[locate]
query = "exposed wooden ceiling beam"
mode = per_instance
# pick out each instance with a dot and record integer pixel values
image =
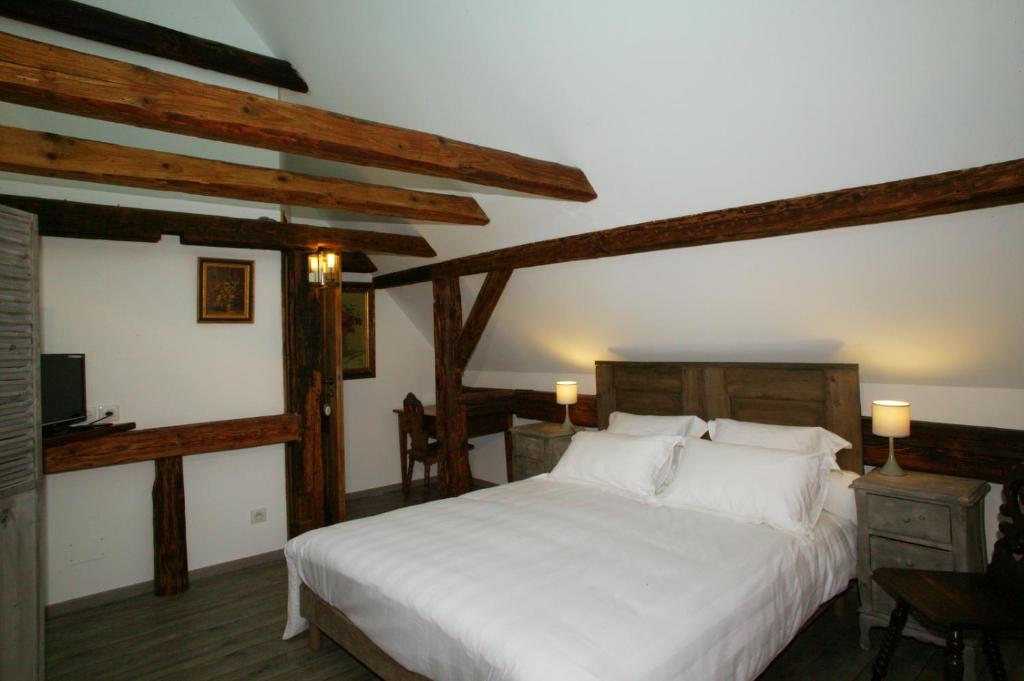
(50, 155)
(86, 21)
(50, 77)
(353, 261)
(94, 221)
(997, 184)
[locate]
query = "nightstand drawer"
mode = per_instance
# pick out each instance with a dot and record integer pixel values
(530, 447)
(909, 518)
(898, 554)
(527, 468)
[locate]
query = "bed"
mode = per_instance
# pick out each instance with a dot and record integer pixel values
(545, 579)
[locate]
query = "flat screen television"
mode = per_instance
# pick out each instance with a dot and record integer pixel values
(62, 389)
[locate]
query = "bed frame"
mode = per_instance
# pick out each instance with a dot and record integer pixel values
(826, 395)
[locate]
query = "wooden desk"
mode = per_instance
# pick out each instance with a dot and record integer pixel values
(484, 415)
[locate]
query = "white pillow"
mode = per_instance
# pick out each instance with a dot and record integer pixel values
(622, 423)
(806, 439)
(623, 462)
(841, 500)
(777, 487)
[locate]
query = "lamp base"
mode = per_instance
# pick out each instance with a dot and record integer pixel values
(891, 468)
(567, 424)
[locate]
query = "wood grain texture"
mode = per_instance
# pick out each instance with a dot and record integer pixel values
(480, 314)
(303, 347)
(942, 448)
(333, 406)
(949, 449)
(87, 21)
(50, 77)
(453, 474)
(94, 221)
(170, 552)
(157, 443)
(997, 184)
(50, 155)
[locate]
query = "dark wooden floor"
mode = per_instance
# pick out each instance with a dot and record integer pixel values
(229, 627)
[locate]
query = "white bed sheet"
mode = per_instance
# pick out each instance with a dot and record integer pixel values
(543, 579)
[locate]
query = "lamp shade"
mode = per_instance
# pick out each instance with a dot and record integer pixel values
(890, 418)
(565, 392)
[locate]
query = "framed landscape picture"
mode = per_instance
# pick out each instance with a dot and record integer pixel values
(358, 355)
(225, 290)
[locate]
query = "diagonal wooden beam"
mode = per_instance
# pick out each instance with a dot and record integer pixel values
(50, 77)
(50, 155)
(94, 221)
(998, 184)
(483, 307)
(90, 22)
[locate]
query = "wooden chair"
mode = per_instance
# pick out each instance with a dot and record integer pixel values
(990, 602)
(421, 448)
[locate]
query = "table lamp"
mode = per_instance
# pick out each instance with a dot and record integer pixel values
(890, 418)
(565, 393)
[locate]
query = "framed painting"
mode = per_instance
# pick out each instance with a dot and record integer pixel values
(358, 354)
(225, 290)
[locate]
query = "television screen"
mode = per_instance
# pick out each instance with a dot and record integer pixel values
(62, 388)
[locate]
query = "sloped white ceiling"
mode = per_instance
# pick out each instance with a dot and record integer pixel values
(675, 108)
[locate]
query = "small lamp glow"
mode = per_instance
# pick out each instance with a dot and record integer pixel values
(565, 393)
(323, 268)
(890, 418)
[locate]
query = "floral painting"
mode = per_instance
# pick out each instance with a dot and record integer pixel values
(225, 290)
(357, 337)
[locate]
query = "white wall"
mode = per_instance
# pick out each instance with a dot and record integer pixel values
(131, 309)
(405, 363)
(678, 108)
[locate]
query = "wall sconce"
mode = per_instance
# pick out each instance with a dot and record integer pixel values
(323, 268)
(890, 418)
(565, 393)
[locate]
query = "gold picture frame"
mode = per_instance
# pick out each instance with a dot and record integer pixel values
(226, 292)
(358, 338)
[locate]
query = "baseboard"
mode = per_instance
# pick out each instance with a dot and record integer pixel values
(416, 484)
(119, 594)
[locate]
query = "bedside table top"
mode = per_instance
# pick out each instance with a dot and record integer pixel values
(925, 486)
(544, 429)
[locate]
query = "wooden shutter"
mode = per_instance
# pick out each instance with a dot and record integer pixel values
(19, 359)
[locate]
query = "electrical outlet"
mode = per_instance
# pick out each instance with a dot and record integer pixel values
(115, 416)
(258, 515)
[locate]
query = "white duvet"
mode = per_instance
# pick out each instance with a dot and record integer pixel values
(556, 580)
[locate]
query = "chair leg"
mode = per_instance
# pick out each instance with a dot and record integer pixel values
(426, 480)
(891, 640)
(955, 654)
(407, 476)
(994, 656)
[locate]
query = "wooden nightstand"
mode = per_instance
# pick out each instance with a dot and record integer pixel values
(537, 447)
(920, 520)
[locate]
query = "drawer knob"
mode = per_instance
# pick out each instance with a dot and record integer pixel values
(906, 518)
(909, 563)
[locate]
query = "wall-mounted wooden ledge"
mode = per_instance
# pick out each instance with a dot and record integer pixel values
(944, 448)
(166, 447)
(157, 443)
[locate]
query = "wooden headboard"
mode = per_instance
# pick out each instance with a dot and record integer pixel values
(826, 395)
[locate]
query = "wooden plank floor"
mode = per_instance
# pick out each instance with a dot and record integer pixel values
(229, 627)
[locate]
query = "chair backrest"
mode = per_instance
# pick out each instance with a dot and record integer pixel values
(412, 413)
(1007, 566)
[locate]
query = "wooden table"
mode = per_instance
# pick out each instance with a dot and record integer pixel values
(485, 414)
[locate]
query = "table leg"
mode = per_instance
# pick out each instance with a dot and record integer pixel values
(403, 454)
(508, 450)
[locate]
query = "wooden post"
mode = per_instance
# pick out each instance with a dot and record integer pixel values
(303, 359)
(334, 401)
(170, 554)
(454, 473)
